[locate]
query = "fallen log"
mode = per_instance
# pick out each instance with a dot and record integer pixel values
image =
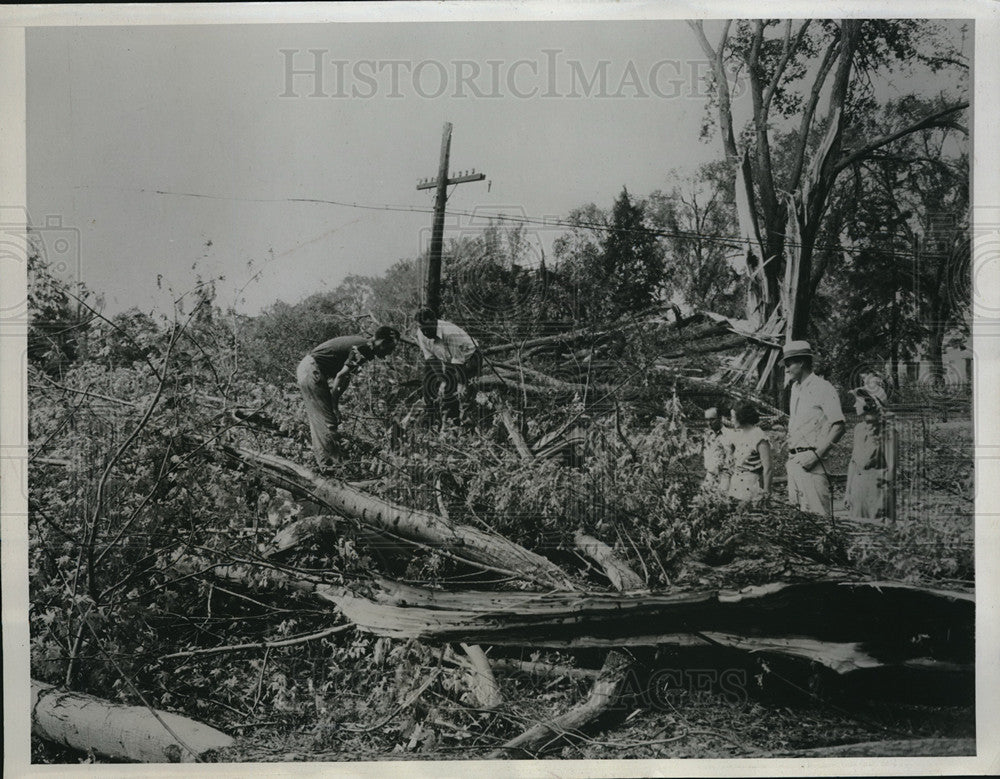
(507, 381)
(650, 316)
(472, 545)
(847, 627)
(482, 683)
(135, 733)
(890, 651)
(556, 340)
(515, 435)
(542, 385)
(710, 343)
(844, 626)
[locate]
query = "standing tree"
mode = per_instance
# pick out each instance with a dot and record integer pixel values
(904, 214)
(577, 253)
(781, 209)
(631, 259)
(693, 216)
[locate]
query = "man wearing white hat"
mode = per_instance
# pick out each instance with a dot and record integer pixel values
(815, 424)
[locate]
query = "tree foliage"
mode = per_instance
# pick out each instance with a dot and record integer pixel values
(901, 286)
(697, 219)
(58, 324)
(846, 60)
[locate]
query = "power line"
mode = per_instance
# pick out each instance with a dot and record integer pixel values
(733, 243)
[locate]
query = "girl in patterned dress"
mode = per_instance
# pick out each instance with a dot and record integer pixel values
(751, 456)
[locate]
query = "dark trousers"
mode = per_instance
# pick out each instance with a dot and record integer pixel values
(443, 382)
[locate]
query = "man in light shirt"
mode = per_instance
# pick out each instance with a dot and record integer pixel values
(815, 424)
(715, 453)
(451, 361)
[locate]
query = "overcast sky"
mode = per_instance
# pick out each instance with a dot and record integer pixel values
(116, 115)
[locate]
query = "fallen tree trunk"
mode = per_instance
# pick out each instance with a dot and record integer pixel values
(135, 733)
(506, 380)
(844, 626)
(469, 544)
(650, 316)
(543, 384)
(906, 633)
(707, 345)
(556, 340)
(515, 435)
(482, 683)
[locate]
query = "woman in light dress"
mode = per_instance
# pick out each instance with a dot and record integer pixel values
(872, 470)
(750, 456)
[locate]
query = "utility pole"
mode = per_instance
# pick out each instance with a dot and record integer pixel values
(437, 230)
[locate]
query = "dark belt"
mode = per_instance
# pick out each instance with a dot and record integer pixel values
(802, 449)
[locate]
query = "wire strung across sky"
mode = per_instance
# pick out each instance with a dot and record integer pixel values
(732, 243)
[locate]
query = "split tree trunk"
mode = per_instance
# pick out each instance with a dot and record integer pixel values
(135, 733)
(843, 626)
(622, 577)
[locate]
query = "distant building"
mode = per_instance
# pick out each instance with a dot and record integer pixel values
(957, 362)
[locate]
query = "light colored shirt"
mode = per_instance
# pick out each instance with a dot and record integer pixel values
(452, 345)
(814, 407)
(716, 452)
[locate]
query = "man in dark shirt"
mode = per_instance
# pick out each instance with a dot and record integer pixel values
(325, 373)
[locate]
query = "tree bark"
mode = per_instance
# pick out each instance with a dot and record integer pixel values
(843, 625)
(134, 733)
(472, 545)
(622, 577)
(483, 685)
